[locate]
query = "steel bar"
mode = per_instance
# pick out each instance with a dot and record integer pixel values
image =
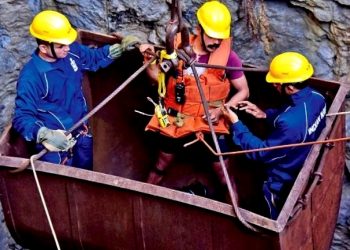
(205, 65)
(232, 193)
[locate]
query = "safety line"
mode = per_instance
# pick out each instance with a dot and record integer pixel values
(32, 158)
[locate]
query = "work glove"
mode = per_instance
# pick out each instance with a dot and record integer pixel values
(129, 42)
(55, 140)
(117, 49)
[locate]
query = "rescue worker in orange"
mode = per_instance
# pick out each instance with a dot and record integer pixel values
(211, 44)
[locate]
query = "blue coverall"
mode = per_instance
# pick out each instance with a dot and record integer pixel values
(301, 119)
(50, 94)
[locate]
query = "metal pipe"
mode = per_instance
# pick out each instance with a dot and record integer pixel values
(228, 181)
(205, 65)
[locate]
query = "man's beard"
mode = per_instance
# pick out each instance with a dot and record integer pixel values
(213, 46)
(283, 91)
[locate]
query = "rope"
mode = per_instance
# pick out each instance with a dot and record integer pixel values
(142, 113)
(32, 158)
(339, 113)
(201, 138)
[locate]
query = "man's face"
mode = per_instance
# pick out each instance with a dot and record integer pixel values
(61, 50)
(210, 43)
(280, 88)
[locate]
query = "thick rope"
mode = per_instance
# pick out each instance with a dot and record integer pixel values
(32, 159)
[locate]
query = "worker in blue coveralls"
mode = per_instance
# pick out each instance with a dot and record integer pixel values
(49, 90)
(300, 119)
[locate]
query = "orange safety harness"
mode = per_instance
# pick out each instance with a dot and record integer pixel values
(186, 116)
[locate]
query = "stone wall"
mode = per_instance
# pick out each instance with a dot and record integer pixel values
(320, 29)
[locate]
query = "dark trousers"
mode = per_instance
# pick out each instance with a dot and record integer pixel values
(80, 156)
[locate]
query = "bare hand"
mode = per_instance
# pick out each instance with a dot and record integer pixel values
(214, 115)
(144, 48)
(251, 108)
(229, 114)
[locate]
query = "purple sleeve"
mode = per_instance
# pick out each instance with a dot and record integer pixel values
(234, 61)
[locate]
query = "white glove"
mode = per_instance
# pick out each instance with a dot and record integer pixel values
(55, 140)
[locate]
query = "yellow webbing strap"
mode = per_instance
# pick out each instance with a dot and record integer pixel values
(164, 55)
(161, 75)
(161, 84)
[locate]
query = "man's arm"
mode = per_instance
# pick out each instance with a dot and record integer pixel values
(241, 86)
(24, 120)
(153, 69)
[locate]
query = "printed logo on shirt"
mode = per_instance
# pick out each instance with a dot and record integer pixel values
(73, 64)
(314, 126)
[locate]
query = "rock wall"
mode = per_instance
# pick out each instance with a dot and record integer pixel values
(320, 29)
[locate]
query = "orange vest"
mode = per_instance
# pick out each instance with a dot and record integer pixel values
(216, 89)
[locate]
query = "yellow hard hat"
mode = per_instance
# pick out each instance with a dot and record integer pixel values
(289, 67)
(215, 18)
(52, 26)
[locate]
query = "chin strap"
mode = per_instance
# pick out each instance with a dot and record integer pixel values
(53, 50)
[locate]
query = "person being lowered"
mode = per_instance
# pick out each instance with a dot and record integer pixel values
(211, 44)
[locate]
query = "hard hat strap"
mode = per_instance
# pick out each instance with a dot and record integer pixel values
(53, 50)
(202, 39)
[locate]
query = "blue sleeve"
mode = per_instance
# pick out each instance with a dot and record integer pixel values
(246, 140)
(92, 59)
(24, 120)
(271, 115)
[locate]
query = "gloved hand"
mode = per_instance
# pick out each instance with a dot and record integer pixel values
(115, 51)
(55, 140)
(129, 42)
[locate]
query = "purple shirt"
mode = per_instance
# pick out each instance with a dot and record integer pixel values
(233, 61)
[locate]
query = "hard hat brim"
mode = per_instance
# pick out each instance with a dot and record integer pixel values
(70, 38)
(217, 35)
(271, 79)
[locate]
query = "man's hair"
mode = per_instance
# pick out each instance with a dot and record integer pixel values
(298, 85)
(39, 42)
